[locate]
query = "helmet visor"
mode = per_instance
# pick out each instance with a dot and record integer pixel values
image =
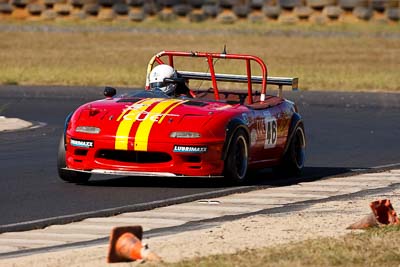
(157, 85)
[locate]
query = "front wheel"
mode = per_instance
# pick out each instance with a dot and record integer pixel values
(236, 161)
(66, 175)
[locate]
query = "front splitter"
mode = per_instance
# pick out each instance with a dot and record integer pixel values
(136, 173)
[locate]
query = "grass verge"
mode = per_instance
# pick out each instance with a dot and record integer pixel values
(335, 57)
(375, 247)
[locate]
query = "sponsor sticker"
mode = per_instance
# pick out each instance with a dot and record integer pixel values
(190, 149)
(82, 143)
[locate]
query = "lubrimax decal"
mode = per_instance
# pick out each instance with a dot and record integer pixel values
(190, 149)
(82, 143)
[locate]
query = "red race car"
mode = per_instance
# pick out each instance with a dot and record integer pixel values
(171, 130)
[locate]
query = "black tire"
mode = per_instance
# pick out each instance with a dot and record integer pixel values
(211, 10)
(303, 12)
(35, 9)
(196, 3)
(182, 9)
(168, 3)
(91, 9)
(135, 3)
(109, 3)
(332, 12)
(242, 11)
(319, 4)
(379, 5)
(50, 3)
(363, 13)
(257, 4)
(65, 175)
(293, 161)
(227, 3)
(349, 5)
(121, 9)
(6, 8)
(393, 14)
(289, 4)
(150, 8)
(236, 162)
(20, 3)
(272, 12)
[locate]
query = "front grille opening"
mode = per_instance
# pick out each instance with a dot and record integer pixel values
(134, 156)
(192, 159)
(195, 167)
(81, 152)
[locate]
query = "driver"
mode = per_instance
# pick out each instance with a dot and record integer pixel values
(175, 87)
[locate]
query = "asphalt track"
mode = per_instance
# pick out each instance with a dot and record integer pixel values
(345, 132)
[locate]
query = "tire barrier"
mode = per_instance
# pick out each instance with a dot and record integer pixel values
(272, 12)
(35, 9)
(91, 9)
(195, 11)
(332, 12)
(303, 12)
(363, 13)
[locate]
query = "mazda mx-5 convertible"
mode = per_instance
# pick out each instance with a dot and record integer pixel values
(174, 128)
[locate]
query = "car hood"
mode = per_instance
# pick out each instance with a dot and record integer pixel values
(144, 116)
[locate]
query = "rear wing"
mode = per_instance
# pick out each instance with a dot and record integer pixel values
(214, 77)
(280, 81)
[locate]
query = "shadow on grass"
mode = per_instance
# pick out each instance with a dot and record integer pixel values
(263, 178)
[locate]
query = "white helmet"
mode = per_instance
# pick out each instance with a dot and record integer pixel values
(157, 76)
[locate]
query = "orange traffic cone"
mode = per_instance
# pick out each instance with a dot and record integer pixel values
(382, 214)
(125, 245)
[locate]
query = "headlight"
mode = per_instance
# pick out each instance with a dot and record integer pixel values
(184, 135)
(87, 129)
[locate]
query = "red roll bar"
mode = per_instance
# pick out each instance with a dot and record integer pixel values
(210, 59)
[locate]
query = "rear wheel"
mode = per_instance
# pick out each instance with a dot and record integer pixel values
(66, 175)
(237, 158)
(293, 161)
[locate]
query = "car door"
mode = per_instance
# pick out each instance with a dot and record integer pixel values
(267, 132)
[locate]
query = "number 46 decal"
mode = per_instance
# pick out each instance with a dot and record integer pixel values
(270, 132)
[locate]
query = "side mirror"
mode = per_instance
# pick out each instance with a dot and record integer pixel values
(109, 91)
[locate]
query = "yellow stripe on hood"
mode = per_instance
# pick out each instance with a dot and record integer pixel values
(128, 119)
(143, 131)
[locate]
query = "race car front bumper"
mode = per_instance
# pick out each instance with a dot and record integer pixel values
(177, 158)
(136, 173)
